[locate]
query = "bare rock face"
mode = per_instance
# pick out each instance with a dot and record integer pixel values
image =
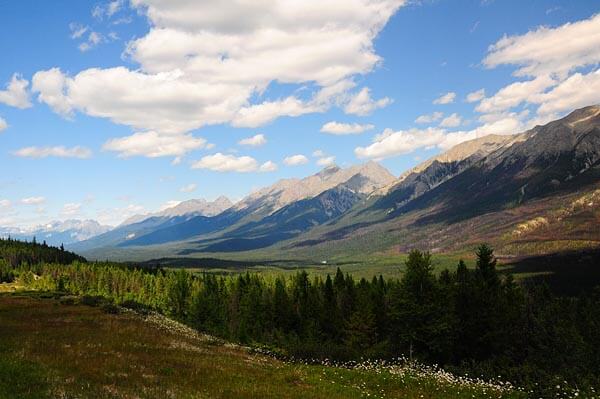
(362, 179)
(193, 207)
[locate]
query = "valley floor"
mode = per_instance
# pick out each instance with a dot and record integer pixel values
(51, 346)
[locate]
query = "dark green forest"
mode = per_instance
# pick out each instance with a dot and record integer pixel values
(473, 321)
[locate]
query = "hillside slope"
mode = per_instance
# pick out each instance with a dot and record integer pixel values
(127, 355)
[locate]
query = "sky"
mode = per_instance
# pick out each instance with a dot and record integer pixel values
(121, 107)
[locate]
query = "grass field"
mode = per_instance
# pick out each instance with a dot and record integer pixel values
(52, 347)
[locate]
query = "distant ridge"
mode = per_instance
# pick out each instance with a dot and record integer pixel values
(494, 188)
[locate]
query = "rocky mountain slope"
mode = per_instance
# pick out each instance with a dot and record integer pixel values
(489, 189)
(487, 195)
(356, 181)
(197, 207)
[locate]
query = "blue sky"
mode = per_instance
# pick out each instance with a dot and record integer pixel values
(120, 107)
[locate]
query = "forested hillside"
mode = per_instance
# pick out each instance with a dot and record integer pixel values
(470, 321)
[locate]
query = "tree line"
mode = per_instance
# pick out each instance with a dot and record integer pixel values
(14, 253)
(468, 320)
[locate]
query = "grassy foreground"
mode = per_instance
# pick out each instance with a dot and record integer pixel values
(54, 347)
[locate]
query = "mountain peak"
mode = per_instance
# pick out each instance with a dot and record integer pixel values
(373, 176)
(196, 206)
(583, 116)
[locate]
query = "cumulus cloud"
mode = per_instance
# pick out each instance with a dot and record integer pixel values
(391, 142)
(152, 145)
(453, 120)
(514, 94)
(556, 86)
(5, 204)
(57, 151)
(476, 96)
(338, 128)
(265, 112)
(33, 200)
(326, 161)
(3, 124)
(543, 51)
(362, 104)
(268, 166)
(16, 94)
(188, 188)
(254, 141)
(433, 117)
(447, 98)
(230, 163)
(294, 160)
(577, 91)
(204, 63)
(51, 86)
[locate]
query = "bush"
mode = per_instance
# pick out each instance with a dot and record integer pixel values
(136, 307)
(110, 308)
(91, 300)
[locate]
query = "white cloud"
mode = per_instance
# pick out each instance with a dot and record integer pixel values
(204, 63)
(453, 120)
(391, 143)
(505, 123)
(326, 161)
(544, 51)
(265, 112)
(153, 145)
(33, 200)
(16, 94)
(51, 86)
(77, 30)
(577, 91)
(230, 163)
(318, 153)
(57, 151)
(362, 104)
(113, 7)
(476, 96)
(71, 209)
(189, 188)
(514, 94)
(3, 124)
(254, 141)
(93, 39)
(268, 166)
(338, 128)
(433, 117)
(107, 10)
(176, 161)
(294, 160)
(447, 98)
(557, 87)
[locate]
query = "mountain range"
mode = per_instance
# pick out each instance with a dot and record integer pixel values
(533, 191)
(58, 232)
